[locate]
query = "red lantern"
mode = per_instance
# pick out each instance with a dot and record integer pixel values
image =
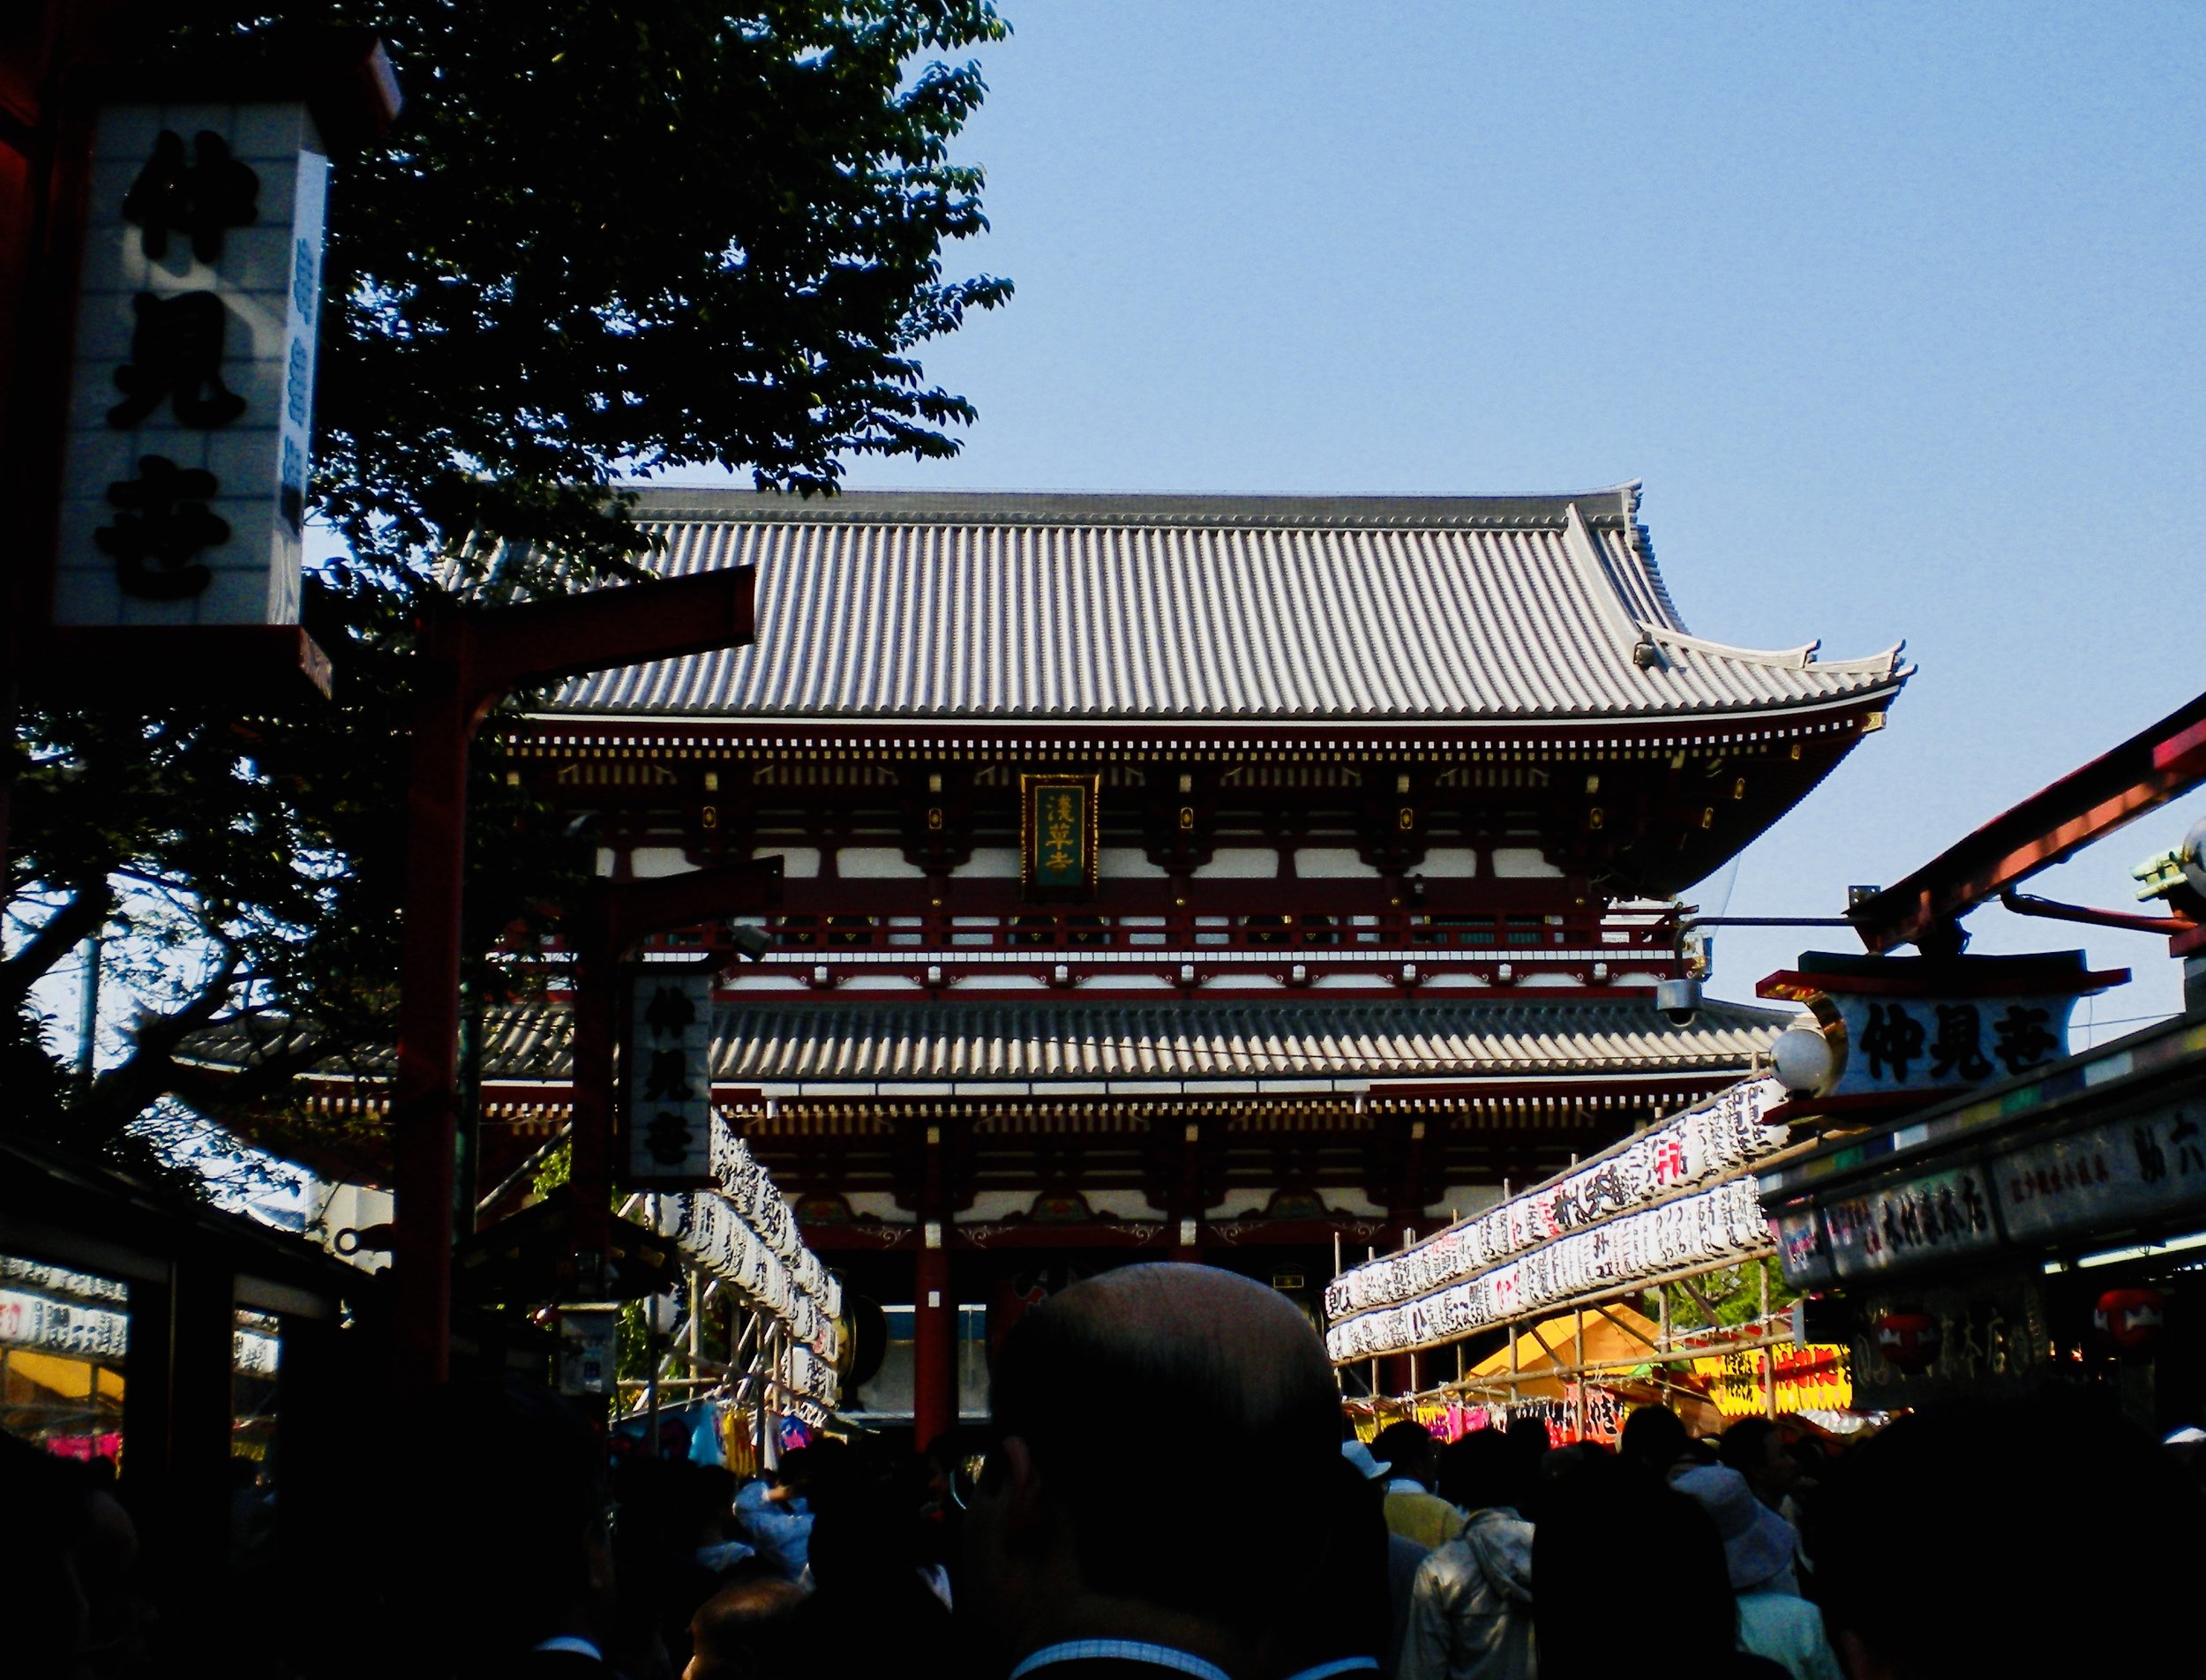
(1907, 1341)
(2130, 1318)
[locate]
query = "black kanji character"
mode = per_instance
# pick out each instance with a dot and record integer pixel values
(667, 1138)
(670, 1011)
(2184, 1135)
(2153, 1160)
(1949, 1220)
(1893, 1037)
(1912, 1221)
(201, 198)
(669, 1078)
(1954, 1049)
(177, 355)
(1972, 1199)
(2021, 1038)
(163, 522)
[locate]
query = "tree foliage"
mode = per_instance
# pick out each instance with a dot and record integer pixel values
(603, 242)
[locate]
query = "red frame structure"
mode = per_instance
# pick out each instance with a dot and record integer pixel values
(2152, 767)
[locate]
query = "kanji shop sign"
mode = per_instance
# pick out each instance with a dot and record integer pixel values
(1057, 835)
(2105, 1177)
(667, 1070)
(1815, 1377)
(2031, 1194)
(192, 398)
(1908, 1026)
(1940, 1216)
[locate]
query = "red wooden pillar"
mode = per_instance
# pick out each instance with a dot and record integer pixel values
(933, 1305)
(935, 1336)
(1186, 1200)
(424, 1107)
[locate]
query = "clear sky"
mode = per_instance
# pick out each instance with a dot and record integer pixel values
(1893, 309)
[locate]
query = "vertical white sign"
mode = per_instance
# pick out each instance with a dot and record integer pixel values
(192, 397)
(668, 1073)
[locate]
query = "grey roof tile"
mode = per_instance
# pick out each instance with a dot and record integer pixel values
(1205, 1039)
(976, 606)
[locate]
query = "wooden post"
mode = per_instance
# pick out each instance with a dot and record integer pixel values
(1769, 1354)
(696, 1319)
(1578, 1355)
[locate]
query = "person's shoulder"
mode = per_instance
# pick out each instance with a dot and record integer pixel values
(1779, 1625)
(1780, 1610)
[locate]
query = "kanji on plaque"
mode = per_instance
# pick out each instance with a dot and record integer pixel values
(667, 1069)
(191, 413)
(1057, 831)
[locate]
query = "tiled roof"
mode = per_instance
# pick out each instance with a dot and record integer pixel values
(890, 604)
(772, 1042)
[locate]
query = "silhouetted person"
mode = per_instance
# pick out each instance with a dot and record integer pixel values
(1403, 1556)
(504, 1522)
(2039, 1538)
(1470, 1613)
(1528, 1439)
(871, 1612)
(1753, 1447)
(747, 1631)
(1166, 1437)
(1606, 1524)
(69, 1600)
(1655, 1443)
(1759, 1548)
(1348, 1621)
(1413, 1509)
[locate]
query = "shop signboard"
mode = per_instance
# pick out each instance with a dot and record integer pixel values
(590, 1347)
(1943, 1215)
(1817, 1377)
(2106, 1177)
(184, 479)
(1903, 1028)
(668, 1075)
(2036, 1193)
(1931, 1044)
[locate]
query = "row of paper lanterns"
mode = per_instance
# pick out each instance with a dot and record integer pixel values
(1704, 1142)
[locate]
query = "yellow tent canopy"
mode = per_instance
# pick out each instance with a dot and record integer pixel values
(70, 1379)
(1615, 1336)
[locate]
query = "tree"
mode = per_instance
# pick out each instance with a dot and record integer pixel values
(603, 242)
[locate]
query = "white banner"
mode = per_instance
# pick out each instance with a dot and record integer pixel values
(1718, 1136)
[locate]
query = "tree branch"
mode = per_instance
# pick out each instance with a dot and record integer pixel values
(74, 922)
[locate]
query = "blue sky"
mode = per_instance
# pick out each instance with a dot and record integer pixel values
(1893, 308)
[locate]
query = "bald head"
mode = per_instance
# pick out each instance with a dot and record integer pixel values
(741, 1632)
(1175, 1414)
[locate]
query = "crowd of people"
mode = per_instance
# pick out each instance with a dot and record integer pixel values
(1164, 1489)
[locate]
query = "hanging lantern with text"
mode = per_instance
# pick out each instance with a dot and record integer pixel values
(1908, 1341)
(2131, 1319)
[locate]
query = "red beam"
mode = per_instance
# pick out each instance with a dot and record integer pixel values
(2149, 769)
(470, 657)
